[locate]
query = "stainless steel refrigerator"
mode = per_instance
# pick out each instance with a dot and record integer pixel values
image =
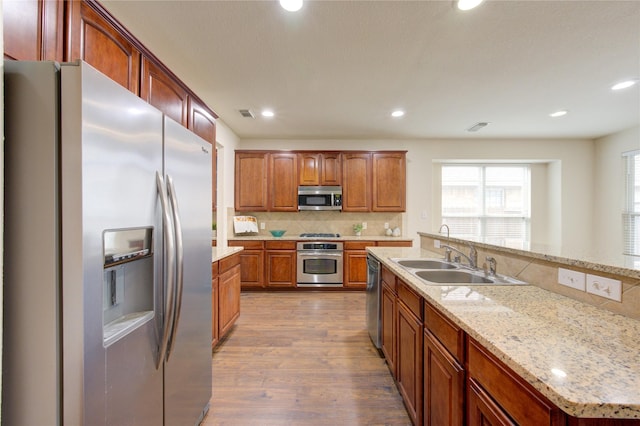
(107, 312)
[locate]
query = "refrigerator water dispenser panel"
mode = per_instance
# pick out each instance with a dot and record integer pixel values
(127, 294)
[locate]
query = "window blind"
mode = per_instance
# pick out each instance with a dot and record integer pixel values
(631, 213)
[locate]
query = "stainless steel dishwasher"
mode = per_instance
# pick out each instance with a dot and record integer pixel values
(374, 301)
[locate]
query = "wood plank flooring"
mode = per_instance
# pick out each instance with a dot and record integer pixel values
(302, 358)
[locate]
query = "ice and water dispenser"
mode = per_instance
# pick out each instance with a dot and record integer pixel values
(128, 290)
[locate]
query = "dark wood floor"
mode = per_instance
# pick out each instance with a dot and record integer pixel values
(302, 358)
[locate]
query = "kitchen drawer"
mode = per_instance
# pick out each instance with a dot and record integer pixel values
(256, 245)
(410, 299)
(358, 245)
(518, 398)
(229, 262)
(280, 245)
(450, 335)
(389, 278)
(394, 243)
(214, 269)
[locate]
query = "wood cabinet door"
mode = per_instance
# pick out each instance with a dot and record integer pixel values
(409, 361)
(389, 182)
(281, 268)
(252, 268)
(162, 90)
(309, 168)
(215, 334)
(98, 40)
(331, 169)
(356, 179)
(443, 385)
(355, 269)
(251, 181)
(481, 409)
(228, 299)
(33, 30)
(388, 308)
(283, 182)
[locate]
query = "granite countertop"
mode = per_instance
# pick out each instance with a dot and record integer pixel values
(218, 253)
(298, 238)
(586, 360)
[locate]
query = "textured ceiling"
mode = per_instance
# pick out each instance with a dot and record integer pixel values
(336, 69)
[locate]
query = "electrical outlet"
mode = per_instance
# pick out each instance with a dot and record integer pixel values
(571, 278)
(386, 225)
(604, 287)
(262, 225)
(436, 243)
(364, 225)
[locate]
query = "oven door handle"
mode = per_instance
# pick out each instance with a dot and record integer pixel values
(319, 254)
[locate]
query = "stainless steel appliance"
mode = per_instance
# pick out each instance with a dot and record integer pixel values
(319, 264)
(107, 255)
(374, 301)
(319, 198)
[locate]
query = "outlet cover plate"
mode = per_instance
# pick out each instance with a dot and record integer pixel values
(571, 278)
(604, 287)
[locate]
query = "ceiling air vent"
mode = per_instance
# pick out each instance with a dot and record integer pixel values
(246, 113)
(477, 126)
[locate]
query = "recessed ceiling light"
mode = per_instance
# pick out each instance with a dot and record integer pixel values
(624, 84)
(397, 113)
(558, 113)
(468, 4)
(291, 5)
(267, 113)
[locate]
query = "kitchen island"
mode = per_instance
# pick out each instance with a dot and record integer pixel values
(584, 360)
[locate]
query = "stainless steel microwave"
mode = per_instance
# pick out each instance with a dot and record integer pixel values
(319, 198)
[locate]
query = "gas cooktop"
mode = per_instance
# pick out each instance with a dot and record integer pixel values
(319, 235)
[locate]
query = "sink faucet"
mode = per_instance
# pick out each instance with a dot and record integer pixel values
(447, 250)
(472, 258)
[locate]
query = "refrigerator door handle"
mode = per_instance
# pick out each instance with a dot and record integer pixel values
(169, 279)
(179, 262)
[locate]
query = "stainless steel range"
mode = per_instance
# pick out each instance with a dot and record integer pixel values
(320, 263)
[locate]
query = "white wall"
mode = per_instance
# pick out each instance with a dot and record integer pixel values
(227, 143)
(570, 162)
(609, 190)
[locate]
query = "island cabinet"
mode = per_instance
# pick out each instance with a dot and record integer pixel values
(319, 168)
(33, 30)
(251, 263)
(409, 349)
(388, 309)
(98, 39)
(280, 268)
(225, 296)
(444, 385)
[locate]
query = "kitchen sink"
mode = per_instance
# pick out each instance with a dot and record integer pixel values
(440, 272)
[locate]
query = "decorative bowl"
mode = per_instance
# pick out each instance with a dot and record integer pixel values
(277, 232)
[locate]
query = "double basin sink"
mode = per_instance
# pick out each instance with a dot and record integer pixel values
(441, 272)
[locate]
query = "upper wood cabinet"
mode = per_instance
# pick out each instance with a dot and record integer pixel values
(251, 181)
(162, 90)
(33, 30)
(97, 39)
(388, 186)
(283, 182)
(319, 168)
(356, 178)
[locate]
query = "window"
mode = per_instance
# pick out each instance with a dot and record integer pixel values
(631, 213)
(487, 200)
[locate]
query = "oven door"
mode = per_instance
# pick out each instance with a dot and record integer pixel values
(319, 268)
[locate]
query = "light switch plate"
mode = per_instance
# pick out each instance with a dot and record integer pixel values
(604, 287)
(571, 278)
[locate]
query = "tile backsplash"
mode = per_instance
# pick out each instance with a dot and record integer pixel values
(296, 223)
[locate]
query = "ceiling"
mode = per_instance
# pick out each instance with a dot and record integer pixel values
(336, 69)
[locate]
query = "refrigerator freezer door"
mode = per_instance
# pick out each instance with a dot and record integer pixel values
(187, 370)
(111, 148)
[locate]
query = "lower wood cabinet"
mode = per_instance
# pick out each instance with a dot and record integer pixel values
(355, 264)
(389, 308)
(251, 263)
(225, 296)
(280, 268)
(482, 410)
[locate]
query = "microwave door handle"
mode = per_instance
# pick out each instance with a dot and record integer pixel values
(168, 281)
(173, 203)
